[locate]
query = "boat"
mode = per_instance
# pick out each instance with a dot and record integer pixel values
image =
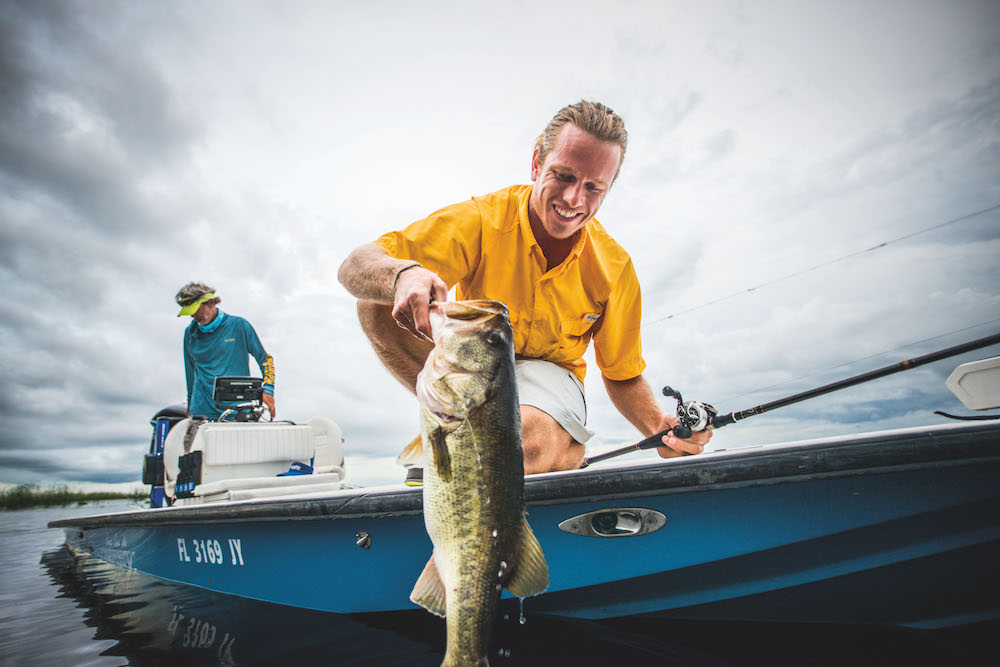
(898, 527)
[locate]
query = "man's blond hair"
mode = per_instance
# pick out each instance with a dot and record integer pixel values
(594, 118)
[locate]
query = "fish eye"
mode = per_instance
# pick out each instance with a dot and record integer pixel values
(494, 338)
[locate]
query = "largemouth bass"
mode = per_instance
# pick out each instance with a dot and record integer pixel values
(473, 477)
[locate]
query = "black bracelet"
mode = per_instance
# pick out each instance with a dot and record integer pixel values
(405, 268)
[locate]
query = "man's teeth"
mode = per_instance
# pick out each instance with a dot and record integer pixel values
(564, 213)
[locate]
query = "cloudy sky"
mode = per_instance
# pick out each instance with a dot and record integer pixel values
(775, 147)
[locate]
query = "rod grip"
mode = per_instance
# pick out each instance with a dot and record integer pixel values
(653, 441)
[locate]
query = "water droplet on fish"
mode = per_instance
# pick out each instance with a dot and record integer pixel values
(504, 653)
(494, 532)
(522, 620)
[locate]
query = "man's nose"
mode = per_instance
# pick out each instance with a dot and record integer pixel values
(573, 194)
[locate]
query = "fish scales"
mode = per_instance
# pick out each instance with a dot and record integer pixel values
(473, 478)
(461, 519)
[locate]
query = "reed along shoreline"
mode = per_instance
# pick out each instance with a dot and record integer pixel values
(25, 496)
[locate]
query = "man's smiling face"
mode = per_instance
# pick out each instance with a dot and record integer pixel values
(571, 183)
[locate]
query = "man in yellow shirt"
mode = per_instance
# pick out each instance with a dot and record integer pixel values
(538, 249)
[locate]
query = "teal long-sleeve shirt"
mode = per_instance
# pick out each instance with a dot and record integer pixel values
(226, 351)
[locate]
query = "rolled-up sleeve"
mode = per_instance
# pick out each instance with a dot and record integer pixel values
(447, 242)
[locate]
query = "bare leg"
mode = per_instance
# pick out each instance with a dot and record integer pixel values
(402, 353)
(547, 446)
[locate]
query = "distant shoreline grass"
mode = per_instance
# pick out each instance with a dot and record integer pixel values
(25, 496)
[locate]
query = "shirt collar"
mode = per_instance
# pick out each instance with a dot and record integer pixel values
(525, 222)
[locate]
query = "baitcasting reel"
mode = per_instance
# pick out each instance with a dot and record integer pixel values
(691, 415)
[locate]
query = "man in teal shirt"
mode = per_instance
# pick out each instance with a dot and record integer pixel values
(217, 344)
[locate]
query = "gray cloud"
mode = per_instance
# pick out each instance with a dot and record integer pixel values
(83, 123)
(254, 145)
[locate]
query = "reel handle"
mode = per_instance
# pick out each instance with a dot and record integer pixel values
(691, 415)
(673, 393)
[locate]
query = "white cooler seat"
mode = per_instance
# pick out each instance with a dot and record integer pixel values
(242, 459)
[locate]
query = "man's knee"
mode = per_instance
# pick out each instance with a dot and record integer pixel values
(547, 446)
(375, 319)
(402, 353)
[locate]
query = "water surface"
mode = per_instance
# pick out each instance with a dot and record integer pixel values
(60, 609)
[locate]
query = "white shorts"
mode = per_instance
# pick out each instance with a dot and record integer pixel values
(556, 392)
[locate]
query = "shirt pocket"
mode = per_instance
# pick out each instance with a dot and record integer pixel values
(578, 326)
(575, 335)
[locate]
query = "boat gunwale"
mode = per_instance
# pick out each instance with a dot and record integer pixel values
(864, 454)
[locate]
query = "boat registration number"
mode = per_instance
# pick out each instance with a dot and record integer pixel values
(210, 551)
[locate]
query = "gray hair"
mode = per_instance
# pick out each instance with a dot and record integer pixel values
(594, 118)
(192, 292)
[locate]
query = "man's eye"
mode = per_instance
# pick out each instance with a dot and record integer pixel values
(563, 177)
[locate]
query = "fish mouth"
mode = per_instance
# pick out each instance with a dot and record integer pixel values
(445, 388)
(441, 406)
(444, 417)
(457, 316)
(429, 394)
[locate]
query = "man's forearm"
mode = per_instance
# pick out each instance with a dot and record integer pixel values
(371, 275)
(635, 400)
(368, 273)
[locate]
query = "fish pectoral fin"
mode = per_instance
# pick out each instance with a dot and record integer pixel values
(428, 592)
(412, 454)
(531, 576)
(442, 457)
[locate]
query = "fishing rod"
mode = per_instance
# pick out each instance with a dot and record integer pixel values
(695, 416)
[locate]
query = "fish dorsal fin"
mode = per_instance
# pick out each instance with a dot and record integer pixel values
(412, 454)
(531, 576)
(428, 592)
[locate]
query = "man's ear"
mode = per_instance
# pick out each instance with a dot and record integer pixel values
(535, 165)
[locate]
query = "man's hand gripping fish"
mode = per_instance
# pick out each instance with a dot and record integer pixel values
(473, 477)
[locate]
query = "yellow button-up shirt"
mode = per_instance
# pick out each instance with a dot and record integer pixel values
(486, 247)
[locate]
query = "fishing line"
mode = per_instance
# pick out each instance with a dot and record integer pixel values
(695, 416)
(850, 363)
(967, 216)
(475, 442)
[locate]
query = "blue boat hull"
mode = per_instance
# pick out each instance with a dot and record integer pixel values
(899, 528)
